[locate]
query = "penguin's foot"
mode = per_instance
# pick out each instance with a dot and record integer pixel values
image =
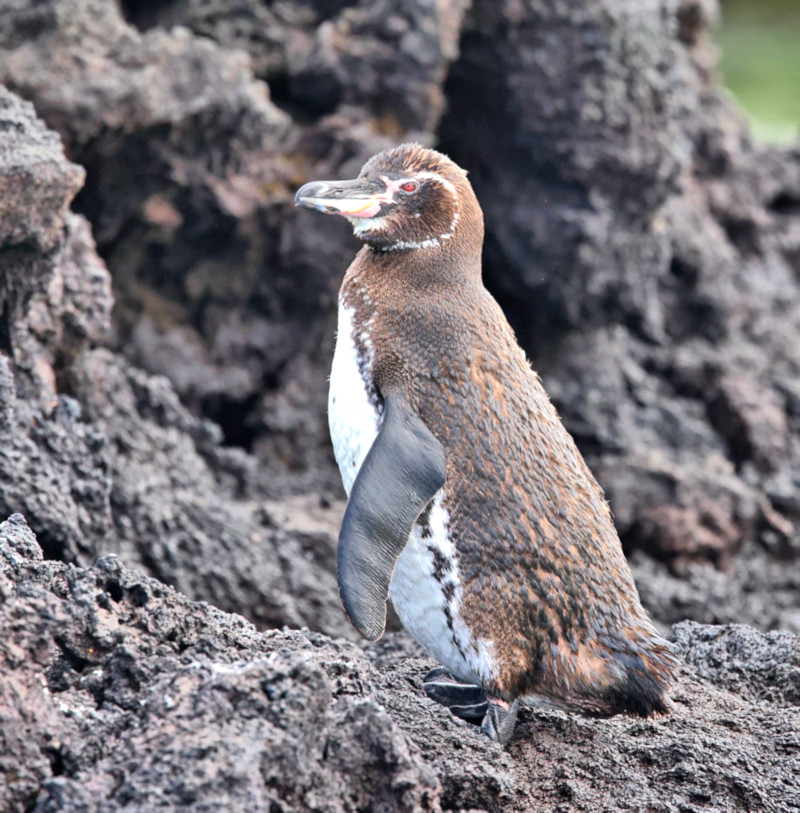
(471, 703)
(465, 700)
(500, 719)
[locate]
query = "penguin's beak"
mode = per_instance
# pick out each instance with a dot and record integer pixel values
(359, 198)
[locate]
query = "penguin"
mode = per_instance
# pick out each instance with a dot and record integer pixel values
(469, 504)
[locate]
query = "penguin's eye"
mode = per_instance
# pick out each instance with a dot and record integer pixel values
(409, 186)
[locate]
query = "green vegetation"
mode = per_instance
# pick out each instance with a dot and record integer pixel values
(760, 42)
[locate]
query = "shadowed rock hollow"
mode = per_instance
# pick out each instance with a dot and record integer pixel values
(166, 326)
(103, 457)
(647, 252)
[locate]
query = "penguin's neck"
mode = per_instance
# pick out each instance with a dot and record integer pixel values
(415, 276)
(413, 318)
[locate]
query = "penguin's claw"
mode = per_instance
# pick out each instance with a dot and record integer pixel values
(465, 700)
(500, 719)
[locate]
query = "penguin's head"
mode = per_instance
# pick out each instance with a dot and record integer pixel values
(404, 199)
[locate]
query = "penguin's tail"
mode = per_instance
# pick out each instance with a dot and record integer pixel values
(641, 690)
(638, 679)
(614, 674)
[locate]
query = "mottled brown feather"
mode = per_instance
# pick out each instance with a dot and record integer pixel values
(542, 569)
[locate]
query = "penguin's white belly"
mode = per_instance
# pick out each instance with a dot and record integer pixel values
(353, 419)
(429, 607)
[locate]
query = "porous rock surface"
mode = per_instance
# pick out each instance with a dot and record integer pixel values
(648, 252)
(103, 457)
(121, 694)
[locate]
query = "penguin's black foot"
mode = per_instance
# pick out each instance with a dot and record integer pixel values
(465, 700)
(500, 719)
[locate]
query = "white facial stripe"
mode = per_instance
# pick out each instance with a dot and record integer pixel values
(450, 187)
(434, 176)
(449, 234)
(431, 242)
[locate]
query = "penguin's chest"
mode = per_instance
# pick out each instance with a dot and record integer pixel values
(354, 416)
(426, 587)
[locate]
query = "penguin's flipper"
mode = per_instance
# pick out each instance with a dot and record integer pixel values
(400, 475)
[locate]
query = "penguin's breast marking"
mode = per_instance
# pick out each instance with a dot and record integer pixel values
(426, 591)
(353, 417)
(426, 587)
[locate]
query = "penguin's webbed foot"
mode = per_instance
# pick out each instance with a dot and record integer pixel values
(472, 703)
(465, 700)
(500, 719)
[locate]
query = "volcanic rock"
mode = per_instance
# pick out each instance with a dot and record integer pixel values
(121, 694)
(102, 457)
(648, 254)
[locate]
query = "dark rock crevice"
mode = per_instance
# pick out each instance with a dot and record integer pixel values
(637, 299)
(102, 457)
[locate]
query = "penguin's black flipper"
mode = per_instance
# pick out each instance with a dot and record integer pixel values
(400, 475)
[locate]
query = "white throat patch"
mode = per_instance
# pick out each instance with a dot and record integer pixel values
(368, 225)
(400, 245)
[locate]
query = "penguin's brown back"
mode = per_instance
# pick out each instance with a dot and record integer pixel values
(542, 572)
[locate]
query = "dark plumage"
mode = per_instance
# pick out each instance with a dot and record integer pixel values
(503, 561)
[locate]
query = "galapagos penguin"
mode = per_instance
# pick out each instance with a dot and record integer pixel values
(470, 506)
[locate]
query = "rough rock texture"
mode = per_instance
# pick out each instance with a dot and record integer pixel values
(54, 299)
(760, 590)
(743, 661)
(101, 456)
(121, 694)
(391, 80)
(204, 155)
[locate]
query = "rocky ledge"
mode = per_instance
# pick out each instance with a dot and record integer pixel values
(119, 693)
